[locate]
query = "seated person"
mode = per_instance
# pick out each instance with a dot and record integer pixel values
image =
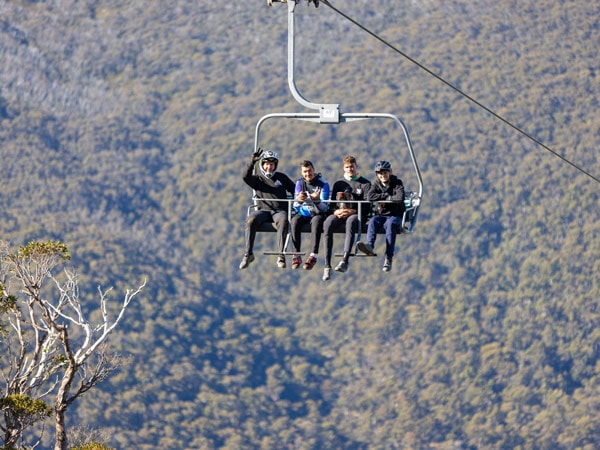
(388, 216)
(351, 187)
(269, 186)
(311, 195)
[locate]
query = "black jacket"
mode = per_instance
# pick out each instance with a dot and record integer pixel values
(394, 192)
(269, 188)
(355, 190)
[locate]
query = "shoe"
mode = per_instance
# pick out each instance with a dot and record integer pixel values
(246, 260)
(342, 266)
(310, 263)
(281, 262)
(387, 266)
(365, 248)
(296, 262)
(326, 273)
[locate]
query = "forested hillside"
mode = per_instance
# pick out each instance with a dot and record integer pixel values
(125, 126)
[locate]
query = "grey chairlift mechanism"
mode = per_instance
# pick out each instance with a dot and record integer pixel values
(328, 113)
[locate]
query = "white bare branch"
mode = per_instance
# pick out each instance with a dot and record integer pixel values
(52, 338)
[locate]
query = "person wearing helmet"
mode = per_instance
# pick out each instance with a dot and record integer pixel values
(351, 186)
(385, 189)
(269, 186)
(311, 196)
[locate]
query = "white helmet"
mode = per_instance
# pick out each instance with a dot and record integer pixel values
(271, 156)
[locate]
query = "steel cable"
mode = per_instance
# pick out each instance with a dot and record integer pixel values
(459, 91)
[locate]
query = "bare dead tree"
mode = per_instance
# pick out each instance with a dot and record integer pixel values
(53, 350)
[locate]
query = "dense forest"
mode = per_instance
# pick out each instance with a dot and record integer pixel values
(125, 126)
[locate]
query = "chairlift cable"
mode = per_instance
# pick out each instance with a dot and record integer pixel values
(458, 90)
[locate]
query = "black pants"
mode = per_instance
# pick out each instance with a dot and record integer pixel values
(330, 225)
(316, 228)
(257, 218)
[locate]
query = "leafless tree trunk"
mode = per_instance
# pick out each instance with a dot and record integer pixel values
(58, 353)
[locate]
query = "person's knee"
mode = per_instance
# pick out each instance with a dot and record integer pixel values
(281, 220)
(392, 228)
(352, 224)
(251, 222)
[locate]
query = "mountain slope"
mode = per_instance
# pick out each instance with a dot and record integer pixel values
(124, 129)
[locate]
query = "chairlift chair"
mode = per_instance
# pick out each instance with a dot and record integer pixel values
(329, 113)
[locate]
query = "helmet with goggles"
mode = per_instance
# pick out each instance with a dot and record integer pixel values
(268, 156)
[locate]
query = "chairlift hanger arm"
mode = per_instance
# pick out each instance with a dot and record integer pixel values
(329, 112)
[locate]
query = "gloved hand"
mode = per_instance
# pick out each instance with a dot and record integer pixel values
(256, 155)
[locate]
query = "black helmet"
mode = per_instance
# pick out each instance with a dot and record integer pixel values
(383, 165)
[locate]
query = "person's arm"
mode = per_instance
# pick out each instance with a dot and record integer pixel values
(397, 194)
(365, 208)
(298, 197)
(332, 205)
(248, 176)
(322, 204)
(375, 194)
(290, 186)
(298, 191)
